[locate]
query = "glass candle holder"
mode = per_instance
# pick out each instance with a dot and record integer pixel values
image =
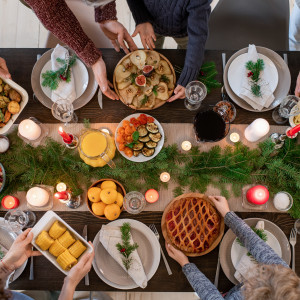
(134, 202)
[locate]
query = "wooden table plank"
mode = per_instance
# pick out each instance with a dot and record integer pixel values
(21, 62)
(50, 278)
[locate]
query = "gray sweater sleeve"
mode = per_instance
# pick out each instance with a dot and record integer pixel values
(256, 246)
(199, 282)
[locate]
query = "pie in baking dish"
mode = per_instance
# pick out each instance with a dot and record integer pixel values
(193, 224)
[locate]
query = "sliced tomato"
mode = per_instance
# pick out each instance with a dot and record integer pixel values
(133, 120)
(142, 119)
(150, 119)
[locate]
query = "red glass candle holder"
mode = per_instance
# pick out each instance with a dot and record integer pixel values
(151, 196)
(255, 197)
(10, 202)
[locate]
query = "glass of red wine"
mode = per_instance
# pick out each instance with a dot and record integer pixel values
(211, 125)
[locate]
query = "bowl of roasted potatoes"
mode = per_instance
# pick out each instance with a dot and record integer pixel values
(13, 99)
(59, 242)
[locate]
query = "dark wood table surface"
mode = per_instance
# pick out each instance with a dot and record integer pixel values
(47, 277)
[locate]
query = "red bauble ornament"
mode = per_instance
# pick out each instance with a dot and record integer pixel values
(258, 195)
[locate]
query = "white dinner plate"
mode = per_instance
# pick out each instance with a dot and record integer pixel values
(141, 157)
(237, 251)
(236, 72)
(81, 77)
(7, 238)
(149, 251)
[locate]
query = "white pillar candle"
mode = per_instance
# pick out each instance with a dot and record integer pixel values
(37, 196)
(234, 137)
(30, 130)
(165, 177)
(186, 145)
(256, 130)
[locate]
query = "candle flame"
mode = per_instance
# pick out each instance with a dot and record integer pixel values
(60, 129)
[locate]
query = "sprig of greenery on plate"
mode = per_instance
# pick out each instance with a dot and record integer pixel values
(135, 137)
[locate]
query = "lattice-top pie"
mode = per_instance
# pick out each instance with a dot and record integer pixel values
(193, 224)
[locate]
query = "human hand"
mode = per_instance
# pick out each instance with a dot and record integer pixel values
(177, 255)
(81, 268)
(297, 88)
(20, 250)
(99, 70)
(3, 69)
(118, 35)
(179, 93)
(147, 35)
(221, 204)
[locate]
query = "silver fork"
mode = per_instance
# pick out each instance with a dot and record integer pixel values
(153, 228)
(293, 240)
(31, 274)
(223, 91)
(38, 56)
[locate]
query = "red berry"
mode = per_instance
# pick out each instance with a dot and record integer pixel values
(250, 74)
(123, 250)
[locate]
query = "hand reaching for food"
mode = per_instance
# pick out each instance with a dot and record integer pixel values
(221, 204)
(179, 93)
(99, 70)
(118, 35)
(3, 69)
(147, 35)
(177, 255)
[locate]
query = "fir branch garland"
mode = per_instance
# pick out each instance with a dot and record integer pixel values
(223, 168)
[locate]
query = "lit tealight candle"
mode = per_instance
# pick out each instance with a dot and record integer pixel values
(234, 137)
(257, 129)
(151, 196)
(10, 202)
(61, 187)
(165, 177)
(37, 196)
(186, 145)
(30, 130)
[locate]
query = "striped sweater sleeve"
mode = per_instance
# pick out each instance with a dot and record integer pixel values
(59, 19)
(261, 251)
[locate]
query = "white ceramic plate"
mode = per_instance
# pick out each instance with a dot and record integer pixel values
(23, 103)
(149, 251)
(45, 223)
(81, 77)
(237, 68)
(7, 237)
(237, 251)
(141, 157)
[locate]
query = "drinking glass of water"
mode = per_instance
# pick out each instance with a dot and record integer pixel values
(134, 202)
(195, 92)
(63, 110)
(17, 219)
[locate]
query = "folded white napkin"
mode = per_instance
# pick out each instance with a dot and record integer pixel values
(246, 266)
(267, 97)
(65, 90)
(109, 237)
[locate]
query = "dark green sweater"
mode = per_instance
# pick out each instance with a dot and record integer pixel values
(178, 18)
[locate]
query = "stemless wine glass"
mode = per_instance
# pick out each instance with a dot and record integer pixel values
(17, 219)
(134, 202)
(195, 92)
(63, 110)
(290, 106)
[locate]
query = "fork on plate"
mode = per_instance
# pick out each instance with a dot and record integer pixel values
(293, 240)
(153, 228)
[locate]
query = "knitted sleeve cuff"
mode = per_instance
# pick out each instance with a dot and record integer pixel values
(187, 75)
(90, 54)
(231, 219)
(106, 12)
(188, 268)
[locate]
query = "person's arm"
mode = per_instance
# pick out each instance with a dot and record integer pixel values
(75, 276)
(199, 282)
(197, 29)
(107, 12)
(3, 69)
(261, 251)
(139, 12)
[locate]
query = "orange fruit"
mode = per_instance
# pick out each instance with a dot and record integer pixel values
(98, 208)
(112, 211)
(108, 184)
(119, 200)
(94, 194)
(108, 196)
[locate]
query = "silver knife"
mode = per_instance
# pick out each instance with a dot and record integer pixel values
(84, 235)
(100, 98)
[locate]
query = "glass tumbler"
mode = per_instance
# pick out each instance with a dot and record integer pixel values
(195, 92)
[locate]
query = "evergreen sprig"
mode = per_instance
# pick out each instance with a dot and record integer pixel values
(255, 69)
(126, 248)
(51, 78)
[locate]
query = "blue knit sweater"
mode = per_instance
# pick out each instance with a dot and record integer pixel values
(178, 18)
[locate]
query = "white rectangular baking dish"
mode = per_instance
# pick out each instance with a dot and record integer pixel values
(44, 224)
(23, 103)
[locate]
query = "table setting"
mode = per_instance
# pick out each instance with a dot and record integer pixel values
(130, 180)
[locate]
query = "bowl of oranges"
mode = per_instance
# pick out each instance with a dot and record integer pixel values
(105, 199)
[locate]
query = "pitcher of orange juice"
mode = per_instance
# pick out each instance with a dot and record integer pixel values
(97, 148)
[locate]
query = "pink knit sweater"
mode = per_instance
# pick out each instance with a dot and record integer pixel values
(59, 19)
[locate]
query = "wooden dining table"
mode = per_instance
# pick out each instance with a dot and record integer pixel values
(47, 276)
